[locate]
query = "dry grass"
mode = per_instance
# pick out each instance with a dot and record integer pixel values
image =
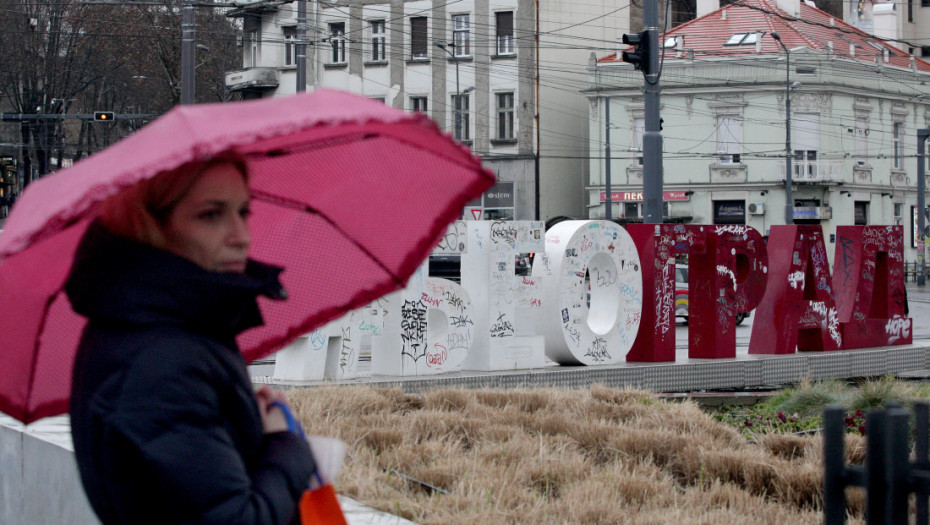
(562, 456)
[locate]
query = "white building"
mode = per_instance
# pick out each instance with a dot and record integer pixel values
(492, 51)
(854, 116)
(905, 25)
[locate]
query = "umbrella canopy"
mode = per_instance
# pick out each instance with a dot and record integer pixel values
(349, 196)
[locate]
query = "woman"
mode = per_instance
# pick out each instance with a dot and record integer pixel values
(166, 426)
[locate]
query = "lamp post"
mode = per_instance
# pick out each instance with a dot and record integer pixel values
(458, 91)
(789, 201)
(222, 65)
(188, 33)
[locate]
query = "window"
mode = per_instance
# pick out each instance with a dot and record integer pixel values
(861, 213)
(460, 119)
(504, 32)
(729, 138)
(742, 39)
(418, 104)
(418, 46)
(898, 214)
(378, 51)
(505, 116)
(631, 210)
(337, 38)
(461, 36)
(878, 47)
(639, 127)
(805, 135)
(290, 37)
(253, 48)
(896, 145)
(673, 41)
(861, 144)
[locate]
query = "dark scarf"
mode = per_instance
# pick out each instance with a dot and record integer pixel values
(117, 280)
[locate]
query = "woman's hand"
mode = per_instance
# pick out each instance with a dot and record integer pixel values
(273, 419)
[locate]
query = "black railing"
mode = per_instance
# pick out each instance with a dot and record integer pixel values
(910, 271)
(888, 476)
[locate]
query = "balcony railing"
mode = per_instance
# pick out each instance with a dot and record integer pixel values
(815, 171)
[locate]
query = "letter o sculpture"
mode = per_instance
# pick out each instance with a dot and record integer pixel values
(603, 332)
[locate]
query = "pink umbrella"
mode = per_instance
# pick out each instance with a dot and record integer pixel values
(349, 196)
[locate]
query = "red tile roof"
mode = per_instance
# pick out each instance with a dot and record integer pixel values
(814, 29)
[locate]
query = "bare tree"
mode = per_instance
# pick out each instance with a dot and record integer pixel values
(61, 58)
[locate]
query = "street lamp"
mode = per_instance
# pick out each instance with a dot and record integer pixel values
(789, 200)
(458, 91)
(222, 64)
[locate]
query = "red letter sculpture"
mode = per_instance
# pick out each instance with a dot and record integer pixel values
(727, 279)
(658, 245)
(798, 309)
(869, 278)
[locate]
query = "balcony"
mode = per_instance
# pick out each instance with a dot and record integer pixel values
(814, 171)
(252, 79)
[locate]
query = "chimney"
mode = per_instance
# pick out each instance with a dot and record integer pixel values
(885, 18)
(705, 7)
(792, 7)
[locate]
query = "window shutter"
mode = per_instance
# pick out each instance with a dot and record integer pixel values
(418, 45)
(505, 23)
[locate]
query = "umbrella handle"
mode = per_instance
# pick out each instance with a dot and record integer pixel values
(293, 425)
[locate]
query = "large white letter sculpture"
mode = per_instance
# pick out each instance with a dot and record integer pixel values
(503, 302)
(592, 261)
(329, 352)
(427, 327)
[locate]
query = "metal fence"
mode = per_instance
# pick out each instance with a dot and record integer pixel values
(910, 271)
(888, 476)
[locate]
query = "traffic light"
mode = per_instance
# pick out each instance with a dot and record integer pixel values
(640, 55)
(104, 116)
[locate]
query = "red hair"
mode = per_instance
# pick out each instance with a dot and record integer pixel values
(139, 212)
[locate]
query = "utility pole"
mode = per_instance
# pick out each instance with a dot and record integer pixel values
(536, 174)
(608, 201)
(652, 138)
(188, 33)
(301, 47)
(922, 135)
(645, 57)
(789, 200)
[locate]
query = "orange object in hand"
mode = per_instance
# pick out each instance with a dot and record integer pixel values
(319, 506)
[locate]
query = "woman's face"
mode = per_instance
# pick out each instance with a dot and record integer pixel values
(209, 225)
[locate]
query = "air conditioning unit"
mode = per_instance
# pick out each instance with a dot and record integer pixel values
(756, 208)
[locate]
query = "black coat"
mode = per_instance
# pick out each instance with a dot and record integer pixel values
(165, 422)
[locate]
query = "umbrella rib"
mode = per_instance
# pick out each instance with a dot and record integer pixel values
(35, 356)
(277, 200)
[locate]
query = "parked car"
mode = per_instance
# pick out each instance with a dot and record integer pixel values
(681, 296)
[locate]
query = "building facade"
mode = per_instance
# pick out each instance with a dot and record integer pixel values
(905, 25)
(471, 66)
(855, 106)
